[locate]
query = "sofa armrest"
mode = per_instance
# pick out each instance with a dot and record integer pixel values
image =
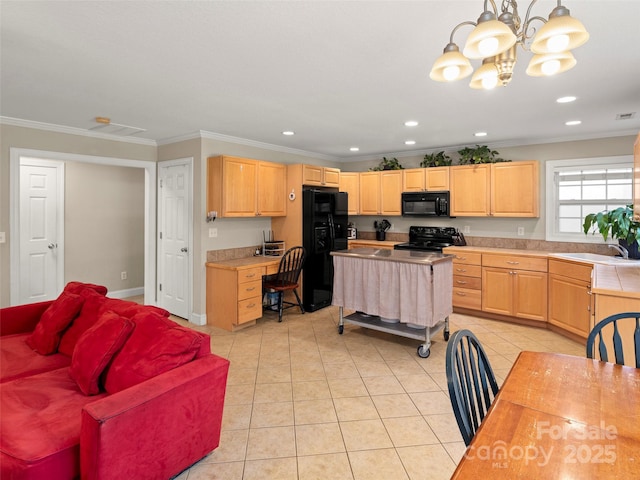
(157, 428)
(21, 318)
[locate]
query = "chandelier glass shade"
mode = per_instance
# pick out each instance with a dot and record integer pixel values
(495, 37)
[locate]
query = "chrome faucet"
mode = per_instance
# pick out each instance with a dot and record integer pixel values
(623, 251)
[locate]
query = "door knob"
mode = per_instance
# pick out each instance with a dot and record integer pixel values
(51, 246)
(183, 249)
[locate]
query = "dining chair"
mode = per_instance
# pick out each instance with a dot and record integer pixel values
(472, 384)
(286, 279)
(611, 327)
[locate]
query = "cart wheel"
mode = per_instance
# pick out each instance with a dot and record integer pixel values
(423, 352)
(446, 335)
(340, 329)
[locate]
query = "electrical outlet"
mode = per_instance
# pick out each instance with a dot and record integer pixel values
(213, 232)
(2, 237)
(520, 231)
(123, 275)
(466, 229)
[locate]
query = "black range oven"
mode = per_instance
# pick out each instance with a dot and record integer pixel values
(431, 239)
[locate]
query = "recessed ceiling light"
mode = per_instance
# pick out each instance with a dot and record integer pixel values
(355, 149)
(573, 122)
(410, 123)
(410, 142)
(288, 132)
(567, 99)
(480, 134)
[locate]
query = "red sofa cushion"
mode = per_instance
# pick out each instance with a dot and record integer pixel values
(18, 360)
(156, 345)
(40, 426)
(77, 287)
(46, 336)
(96, 347)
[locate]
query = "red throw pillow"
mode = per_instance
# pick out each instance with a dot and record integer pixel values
(77, 287)
(95, 349)
(89, 314)
(156, 345)
(54, 320)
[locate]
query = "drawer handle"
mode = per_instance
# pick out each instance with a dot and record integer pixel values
(461, 269)
(461, 294)
(461, 282)
(250, 275)
(460, 258)
(251, 305)
(513, 263)
(250, 289)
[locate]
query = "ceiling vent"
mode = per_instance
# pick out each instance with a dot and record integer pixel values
(104, 125)
(625, 116)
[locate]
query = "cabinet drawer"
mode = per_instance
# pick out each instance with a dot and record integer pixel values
(577, 271)
(249, 289)
(474, 283)
(467, 270)
(250, 274)
(249, 309)
(467, 298)
(272, 269)
(515, 262)
(468, 258)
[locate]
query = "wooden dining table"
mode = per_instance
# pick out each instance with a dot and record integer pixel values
(559, 417)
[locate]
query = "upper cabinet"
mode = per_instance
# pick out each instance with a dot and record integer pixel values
(421, 179)
(243, 187)
(506, 189)
(350, 183)
(636, 179)
(380, 192)
(320, 176)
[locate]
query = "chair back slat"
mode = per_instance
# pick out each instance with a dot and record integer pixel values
(618, 331)
(290, 266)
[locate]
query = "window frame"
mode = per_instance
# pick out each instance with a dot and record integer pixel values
(552, 203)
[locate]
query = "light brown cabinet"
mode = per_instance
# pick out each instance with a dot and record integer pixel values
(320, 176)
(380, 192)
(467, 280)
(515, 285)
(369, 193)
(636, 179)
(242, 187)
(508, 189)
(350, 183)
(570, 299)
(421, 179)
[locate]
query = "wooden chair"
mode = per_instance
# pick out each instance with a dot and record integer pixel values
(609, 328)
(472, 384)
(287, 278)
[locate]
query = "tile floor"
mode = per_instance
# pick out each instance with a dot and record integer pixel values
(304, 402)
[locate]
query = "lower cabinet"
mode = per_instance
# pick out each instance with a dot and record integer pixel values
(467, 280)
(570, 299)
(516, 293)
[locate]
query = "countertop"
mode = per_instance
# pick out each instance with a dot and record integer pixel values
(245, 262)
(374, 243)
(401, 256)
(619, 281)
(498, 251)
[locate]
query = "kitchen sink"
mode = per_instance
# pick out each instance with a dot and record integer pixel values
(597, 258)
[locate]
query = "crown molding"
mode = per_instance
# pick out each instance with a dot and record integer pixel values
(50, 127)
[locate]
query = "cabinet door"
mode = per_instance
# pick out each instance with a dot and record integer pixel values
(239, 189)
(369, 193)
(413, 180)
(391, 192)
(272, 179)
(437, 178)
(636, 179)
(570, 304)
(331, 177)
(514, 189)
(470, 190)
(350, 183)
(497, 290)
(530, 295)
(312, 175)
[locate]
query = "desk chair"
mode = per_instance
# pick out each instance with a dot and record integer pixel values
(472, 384)
(287, 278)
(626, 321)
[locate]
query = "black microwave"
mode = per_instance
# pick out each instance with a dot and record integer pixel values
(425, 204)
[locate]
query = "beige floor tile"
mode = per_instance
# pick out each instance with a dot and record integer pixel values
(409, 367)
(373, 369)
(380, 464)
(314, 411)
(355, 408)
(427, 461)
(319, 439)
(311, 390)
(455, 450)
(341, 370)
(277, 414)
(240, 376)
(274, 442)
(239, 394)
(305, 355)
(273, 392)
(396, 405)
(347, 387)
(407, 431)
(431, 403)
(271, 469)
(332, 466)
(445, 427)
(365, 435)
(236, 417)
(274, 374)
(383, 385)
(218, 471)
(307, 371)
(232, 448)
(420, 382)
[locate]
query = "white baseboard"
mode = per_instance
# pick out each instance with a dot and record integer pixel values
(129, 292)
(198, 319)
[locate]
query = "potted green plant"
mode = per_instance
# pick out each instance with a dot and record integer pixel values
(479, 154)
(616, 224)
(388, 164)
(436, 159)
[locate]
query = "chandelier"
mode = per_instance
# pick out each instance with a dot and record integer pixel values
(495, 38)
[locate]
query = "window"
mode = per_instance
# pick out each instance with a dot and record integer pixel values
(578, 187)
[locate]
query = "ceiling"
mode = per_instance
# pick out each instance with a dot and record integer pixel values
(338, 73)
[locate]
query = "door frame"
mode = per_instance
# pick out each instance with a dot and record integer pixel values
(150, 182)
(189, 297)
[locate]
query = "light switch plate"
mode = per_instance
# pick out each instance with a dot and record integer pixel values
(213, 232)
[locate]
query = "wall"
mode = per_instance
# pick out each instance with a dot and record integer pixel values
(28, 138)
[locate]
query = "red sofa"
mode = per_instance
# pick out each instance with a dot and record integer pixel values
(93, 387)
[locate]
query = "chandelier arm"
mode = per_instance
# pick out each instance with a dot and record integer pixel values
(458, 26)
(525, 29)
(493, 4)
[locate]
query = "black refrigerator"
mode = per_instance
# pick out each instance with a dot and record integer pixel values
(324, 229)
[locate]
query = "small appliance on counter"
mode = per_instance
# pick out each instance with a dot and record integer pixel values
(352, 232)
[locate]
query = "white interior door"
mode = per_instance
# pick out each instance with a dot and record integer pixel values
(174, 266)
(41, 234)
